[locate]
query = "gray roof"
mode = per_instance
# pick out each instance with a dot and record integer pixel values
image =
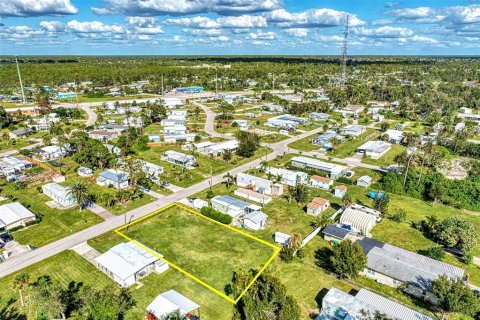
(406, 266)
(120, 176)
(335, 231)
(256, 216)
(231, 201)
(21, 131)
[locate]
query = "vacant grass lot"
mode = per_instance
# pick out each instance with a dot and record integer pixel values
(55, 224)
(207, 250)
(305, 144)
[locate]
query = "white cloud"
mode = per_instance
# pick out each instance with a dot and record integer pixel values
(313, 18)
(215, 40)
(184, 7)
(142, 22)
(423, 39)
(452, 16)
(204, 32)
(94, 27)
(328, 38)
(52, 26)
(243, 21)
(35, 8)
(417, 15)
(259, 35)
(297, 32)
(384, 32)
(19, 33)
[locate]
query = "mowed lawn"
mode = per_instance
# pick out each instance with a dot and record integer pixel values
(305, 144)
(205, 249)
(68, 267)
(388, 158)
(349, 147)
(55, 224)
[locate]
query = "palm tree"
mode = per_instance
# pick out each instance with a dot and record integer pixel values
(20, 282)
(228, 178)
(263, 166)
(322, 221)
(79, 192)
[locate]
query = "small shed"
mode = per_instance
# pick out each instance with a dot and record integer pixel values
(364, 181)
(199, 203)
(282, 238)
(340, 191)
(317, 206)
(84, 172)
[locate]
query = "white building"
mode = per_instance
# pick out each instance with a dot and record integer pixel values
(394, 136)
(178, 158)
(152, 170)
(253, 196)
(374, 149)
(289, 177)
(171, 301)
(14, 215)
(126, 263)
(172, 102)
(49, 153)
(332, 170)
(254, 183)
(353, 130)
(358, 220)
(115, 177)
(219, 148)
(59, 194)
(364, 181)
(321, 182)
(176, 129)
(255, 220)
(319, 116)
(84, 172)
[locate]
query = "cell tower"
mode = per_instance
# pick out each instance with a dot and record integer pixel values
(343, 75)
(24, 101)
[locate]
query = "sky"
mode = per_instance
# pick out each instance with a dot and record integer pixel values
(238, 27)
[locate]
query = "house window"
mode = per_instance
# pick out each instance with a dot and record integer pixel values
(370, 271)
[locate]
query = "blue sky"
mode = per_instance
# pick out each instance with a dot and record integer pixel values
(191, 27)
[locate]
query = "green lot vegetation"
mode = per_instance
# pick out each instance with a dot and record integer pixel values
(305, 144)
(205, 249)
(55, 224)
(388, 158)
(349, 146)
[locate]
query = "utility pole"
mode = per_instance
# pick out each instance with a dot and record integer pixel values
(75, 90)
(273, 82)
(343, 75)
(162, 84)
(216, 83)
(24, 101)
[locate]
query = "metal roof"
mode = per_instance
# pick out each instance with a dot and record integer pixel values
(335, 231)
(231, 202)
(256, 216)
(171, 301)
(358, 219)
(11, 213)
(404, 265)
(114, 175)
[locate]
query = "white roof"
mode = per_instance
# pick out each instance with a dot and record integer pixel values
(256, 216)
(125, 259)
(51, 149)
(287, 174)
(171, 301)
(358, 219)
(203, 144)
(375, 146)
(56, 189)
(394, 134)
(11, 213)
(229, 144)
(244, 179)
(365, 179)
(321, 165)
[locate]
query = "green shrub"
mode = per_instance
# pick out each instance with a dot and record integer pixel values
(399, 216)
(345, 180)
(436, 253)
(215, 215)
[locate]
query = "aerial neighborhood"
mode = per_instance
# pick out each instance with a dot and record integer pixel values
(230, 187)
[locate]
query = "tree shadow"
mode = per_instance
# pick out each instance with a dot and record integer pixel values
(322, 258)
(10, 312)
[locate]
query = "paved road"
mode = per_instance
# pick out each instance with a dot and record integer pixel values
(15, 264)
(210, 122)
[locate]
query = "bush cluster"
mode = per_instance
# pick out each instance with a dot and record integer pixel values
(215, 215)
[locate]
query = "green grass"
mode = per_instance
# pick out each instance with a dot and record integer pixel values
(305, 144)
(207, 250)
(55, 224)
(6, 145)
(206, 165)
(67, 266)
(82, 98)
(349, 147)
(273, 138)
(388, 158)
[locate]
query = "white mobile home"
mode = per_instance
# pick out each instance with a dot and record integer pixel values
(374, 149)
(59, 194)
(289, 177)
(13, 215)
(178, 158)
(115, 177)
(332, 170)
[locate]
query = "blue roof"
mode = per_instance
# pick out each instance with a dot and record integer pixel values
(120, 177)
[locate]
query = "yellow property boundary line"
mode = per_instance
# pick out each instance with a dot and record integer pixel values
(191, 276)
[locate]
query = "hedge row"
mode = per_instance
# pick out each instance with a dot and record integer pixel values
(215, 215)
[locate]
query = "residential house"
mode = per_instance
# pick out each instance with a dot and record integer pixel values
(359, 220)
(278, 123)
(152, 170)
(219, 148)
(253, 195)
(378, 117)
(49, 153)
(115, 177)
(282, 238)
(178, 138)
(175, 130)
(374, 149)
(170, 302)
(19, 133)
(320, 182)
(178, 158)
(317, 206)
(84, 172)
(255, 220)
(234, 207)
(172, 102)
(104, 135)
(364, 181)
(14, 214)
(337, 305)
(325, 139)
(397, 267)
(289, 177)
(173, 122)
(59, 194)
(340, 191)
(10, 165)
(319, 116)
(335, 233)
(126, 263)
(353, 130)
(394, 136)
(354, 108)
(254, 183)
(331, 170)
(113, 149)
